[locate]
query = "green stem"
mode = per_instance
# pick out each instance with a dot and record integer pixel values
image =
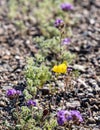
(17, 111)
(60, 44)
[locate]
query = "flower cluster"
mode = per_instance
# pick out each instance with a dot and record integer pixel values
(64, 116)
(31, 103)
(62, 68)
(66, 6)
(12, 93)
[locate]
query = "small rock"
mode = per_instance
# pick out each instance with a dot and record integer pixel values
(97, 88)
(89, 90)
(92, 21)
(74, 104)
(96, 129)
(17, 57)
(81, 95)
(94, 101)
(97, 118)
(90, 95)
(79, 67)
(60, 84)
(2, 104)
(95, 107)
(77, 49)
(6, 87)
(83, 83)
(4, 99)
(91, 120)
(1, 31)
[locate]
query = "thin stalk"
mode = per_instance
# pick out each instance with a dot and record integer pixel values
(17, 111)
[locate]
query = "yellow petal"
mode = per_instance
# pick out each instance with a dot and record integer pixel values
(55, 68)
(62, 68)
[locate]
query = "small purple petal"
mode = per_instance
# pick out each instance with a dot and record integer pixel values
(18, 92)
(69, 69)
(31, 103)
(66, 6)
(68, 116)
(61, 120)
(58, 22)
(76, 115)
(63, 116)
(66, 41)
(11, 92)
(60, 113)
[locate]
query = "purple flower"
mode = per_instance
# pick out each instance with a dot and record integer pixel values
(61, 113)
(63, 116)
(61, 120)
(12, 93)
(69, 69)
(18, 92)
(66, 6)
(59, 23)
(76, 115)
(66, 41)
(31, 103)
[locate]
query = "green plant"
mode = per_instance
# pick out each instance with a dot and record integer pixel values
(52, 50)
(39, 72)
(50, 125)
(36, 74)
(48, 11)
(31, 118)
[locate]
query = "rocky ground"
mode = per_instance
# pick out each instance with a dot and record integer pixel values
(16, 46)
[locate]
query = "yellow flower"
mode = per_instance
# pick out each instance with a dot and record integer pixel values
(62, 68)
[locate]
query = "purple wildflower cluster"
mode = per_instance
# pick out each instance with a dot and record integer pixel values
(66, 6)
(12, 93)
(31, 103)
(64, 116)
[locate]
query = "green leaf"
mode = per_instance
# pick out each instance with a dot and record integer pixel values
(28, 118)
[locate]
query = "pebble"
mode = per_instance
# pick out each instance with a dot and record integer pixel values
(2, 104)
(96, 129)
(79, 67)
(97, 118)
(89, 90)
(6, 87)
(1, 31)
(90, 95)
(94, 101)
(97, 88)
(74, 104)
(61, 85)
(91, 120)
(92, 21)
